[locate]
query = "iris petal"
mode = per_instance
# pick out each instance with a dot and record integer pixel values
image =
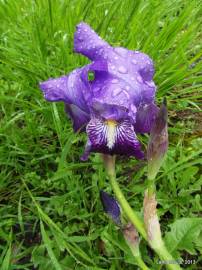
(88, 43)
(79, 117)
(68, 89)
(145, 117)
(55, 89)
(111, 137)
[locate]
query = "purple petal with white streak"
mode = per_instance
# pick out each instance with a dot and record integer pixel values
(123, 141)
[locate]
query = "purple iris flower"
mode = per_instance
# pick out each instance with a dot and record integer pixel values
(112, 98)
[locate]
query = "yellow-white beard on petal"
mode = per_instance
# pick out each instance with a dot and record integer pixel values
(111, 133)
(112, 137)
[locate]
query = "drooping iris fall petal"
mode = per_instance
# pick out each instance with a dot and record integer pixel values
(111, 137)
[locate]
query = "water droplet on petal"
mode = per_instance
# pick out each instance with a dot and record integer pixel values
(134, 62)
(115, 81)
(116, 92)
(121, 51)
(139, 79)
(96, 89)
(150, 83)
(126, 94)
(122, 69)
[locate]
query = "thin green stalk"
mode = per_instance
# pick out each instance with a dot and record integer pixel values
(160, 249)
(136, 253)
(151, 186)
(127, 208)
(140, 263)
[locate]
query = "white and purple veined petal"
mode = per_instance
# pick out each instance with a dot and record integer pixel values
(111, 137)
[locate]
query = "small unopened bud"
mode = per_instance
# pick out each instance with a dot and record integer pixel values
(151, 221)
(132, 238)
(158, 142)
(111, 207)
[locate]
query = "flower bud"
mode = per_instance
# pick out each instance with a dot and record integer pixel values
(111, 207)
(151, 221)
(132, 238)
(158, 142)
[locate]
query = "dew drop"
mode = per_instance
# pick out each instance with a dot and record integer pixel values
(134, 62)
(122, 69)
(116, 92)
(150, 83)
(121, 51)
(139, 78)
(126, 94)
(96, 89)
(115, 81)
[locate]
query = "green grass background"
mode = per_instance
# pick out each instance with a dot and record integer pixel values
(50, 212)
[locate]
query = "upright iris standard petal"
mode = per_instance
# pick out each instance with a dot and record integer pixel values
(87, 42)
(112, 97)
(110, 206)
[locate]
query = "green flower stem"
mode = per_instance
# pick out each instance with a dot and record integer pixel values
(140, 263)
(151, 186)
(136, 253)
(166, 257)
(127, 208)
(132, 216)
